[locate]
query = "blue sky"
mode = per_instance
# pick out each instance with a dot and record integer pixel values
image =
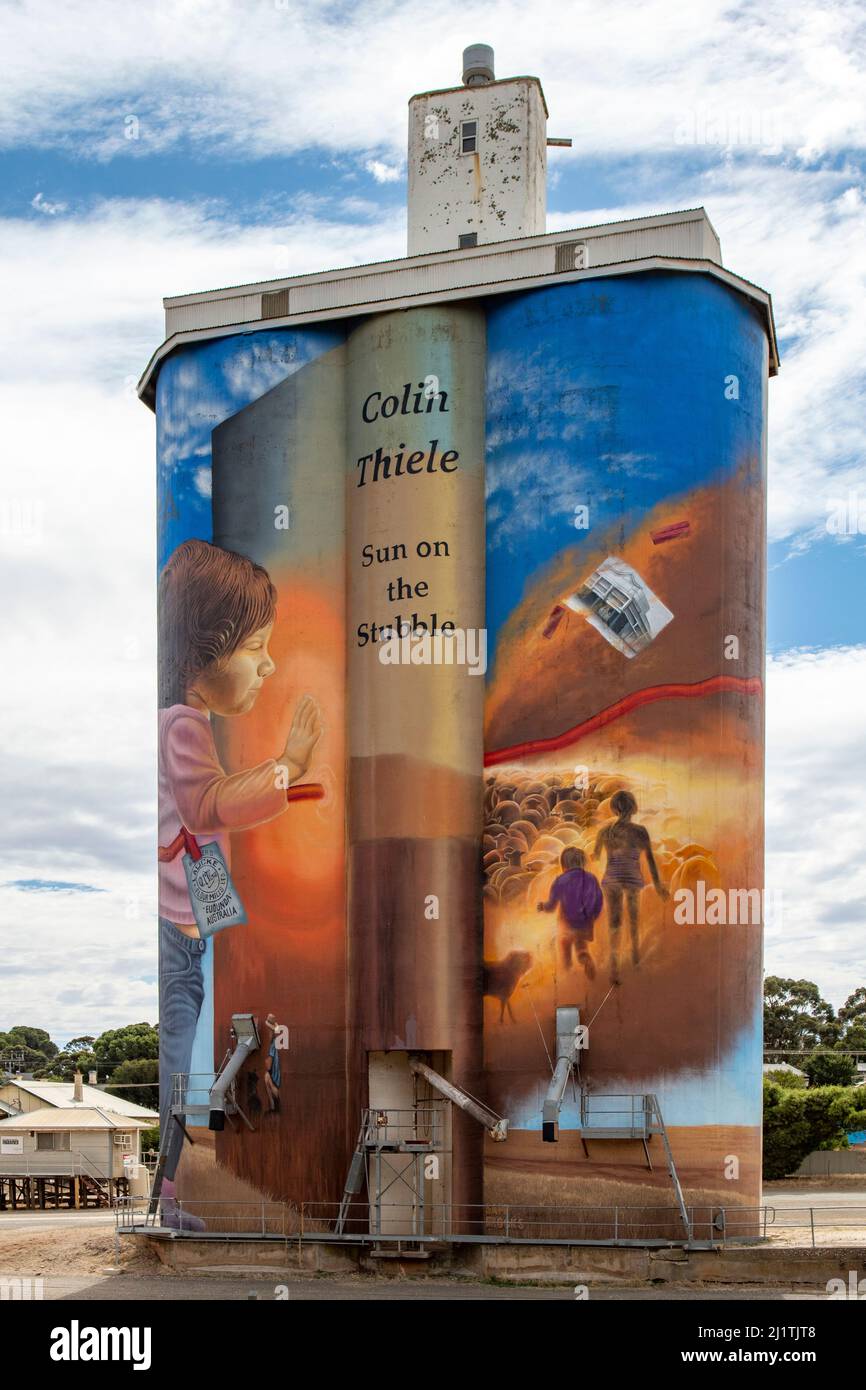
(268, 138)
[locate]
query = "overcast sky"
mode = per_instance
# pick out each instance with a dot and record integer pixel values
(154, 149)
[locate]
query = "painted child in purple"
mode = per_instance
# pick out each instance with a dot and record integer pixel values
(577, 894)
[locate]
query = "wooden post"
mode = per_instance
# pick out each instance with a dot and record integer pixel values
(75, 1193)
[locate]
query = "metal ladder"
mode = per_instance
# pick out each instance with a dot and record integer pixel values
(354, 1177)
(672, 1167)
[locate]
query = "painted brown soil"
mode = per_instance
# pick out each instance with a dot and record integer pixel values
(708, 579)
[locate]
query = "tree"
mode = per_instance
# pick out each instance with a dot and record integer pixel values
(796, 1122)
(787, 1079)
(18, 1056)
(67, 1063)
(852, 1017)
(830, 1069)
(130, 1044)
(149, 1139)
(137, 1070)
(34, 1038)
(795, 1016)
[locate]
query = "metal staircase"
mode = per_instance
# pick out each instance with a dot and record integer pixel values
(637, 1117)
(207, 1093)
(385, 1136)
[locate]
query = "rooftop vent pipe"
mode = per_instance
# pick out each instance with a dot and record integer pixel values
(477, 65)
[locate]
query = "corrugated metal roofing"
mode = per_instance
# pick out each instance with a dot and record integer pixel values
(62, 1093)
(486, 247)
(81, 1117)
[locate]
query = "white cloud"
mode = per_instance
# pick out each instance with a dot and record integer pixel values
(816, 752)
(383, 173)
(85, 291)
(203, 481)
(274, 78)
(41, 204)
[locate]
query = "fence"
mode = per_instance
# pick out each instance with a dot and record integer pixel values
(569, 1225)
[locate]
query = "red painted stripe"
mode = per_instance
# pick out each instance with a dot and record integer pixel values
(305, 791)
(743, 685)
(670, 533)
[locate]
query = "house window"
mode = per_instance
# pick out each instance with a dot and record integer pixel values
(124, 1140)
(53, 1139)
(468, 137)
(467, 239)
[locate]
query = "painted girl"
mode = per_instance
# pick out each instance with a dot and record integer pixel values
(623, 876)
(216, 615)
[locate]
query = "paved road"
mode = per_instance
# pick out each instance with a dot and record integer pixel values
(806, 1197)
(46, 1220)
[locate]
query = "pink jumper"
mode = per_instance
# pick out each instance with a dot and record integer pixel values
(195, 791)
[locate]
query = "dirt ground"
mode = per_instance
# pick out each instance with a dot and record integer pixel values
(31, 1250)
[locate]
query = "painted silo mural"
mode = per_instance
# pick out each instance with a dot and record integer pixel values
(394, 858)
(622, 850)
(252, 639)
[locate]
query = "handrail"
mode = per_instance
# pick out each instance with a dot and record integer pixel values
(77, 1165)
(710, 1226)
(100, 1176)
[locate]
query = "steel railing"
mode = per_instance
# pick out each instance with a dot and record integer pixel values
(55, 1164)
(501, 1223)
(424, 1125)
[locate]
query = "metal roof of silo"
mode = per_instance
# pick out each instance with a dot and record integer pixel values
(684, 242)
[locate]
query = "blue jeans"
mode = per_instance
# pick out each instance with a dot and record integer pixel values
(181, 992)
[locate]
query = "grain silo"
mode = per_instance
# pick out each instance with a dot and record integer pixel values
(462, 715)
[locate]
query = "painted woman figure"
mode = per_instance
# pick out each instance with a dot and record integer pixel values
(624, 843)
(216, 615)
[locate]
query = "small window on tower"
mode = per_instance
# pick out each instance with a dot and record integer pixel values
(467, 239)
(468, 137)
